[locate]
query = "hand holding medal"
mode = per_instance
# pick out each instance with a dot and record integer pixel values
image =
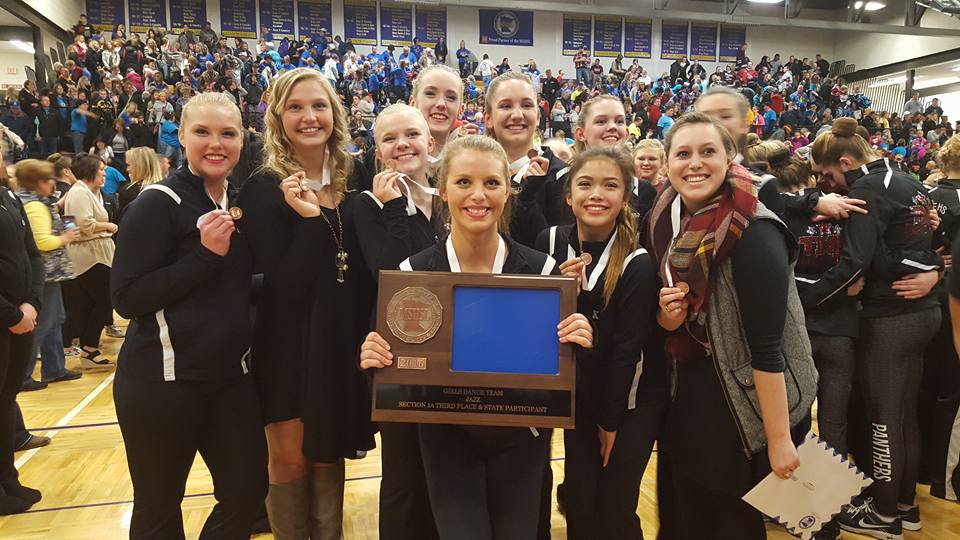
(298, 196)
(539, 165)
(577, 267)
(674, 303)
(385, 187)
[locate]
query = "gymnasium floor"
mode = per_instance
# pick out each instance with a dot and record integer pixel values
(87, 492)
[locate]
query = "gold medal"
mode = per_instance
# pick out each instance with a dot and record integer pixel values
(684, 288)
(236, 212)
(586, 258)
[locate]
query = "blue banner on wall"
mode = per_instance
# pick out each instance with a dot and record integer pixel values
(396, 24)
(576, 34)
(673, 40)
(637, 38)
(238, 19)
(360, 22)
(607, 36)
(703, 41)
(731, 39)
(506, 27)
(431, 24)
(104, 14)
(313, 16)
(277, 16)
(192, 13)
(147, 14)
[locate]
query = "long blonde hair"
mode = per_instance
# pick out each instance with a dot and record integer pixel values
(626, 223)
(147, 165)
(278, 154)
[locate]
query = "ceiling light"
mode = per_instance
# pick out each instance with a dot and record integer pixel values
(25, 47)
(930, 83)
(765, 1)
(871, 6)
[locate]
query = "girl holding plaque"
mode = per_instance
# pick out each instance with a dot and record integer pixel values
(314, 308)
(182, 275)
(483, 482)
(395, 220)
(622, 381)
(725, 261)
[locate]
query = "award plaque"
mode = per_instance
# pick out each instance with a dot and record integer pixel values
(478, 349)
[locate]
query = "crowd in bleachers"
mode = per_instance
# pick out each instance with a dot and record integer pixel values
(118, 90)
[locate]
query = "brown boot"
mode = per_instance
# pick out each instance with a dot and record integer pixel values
(326, 507)
(288, 506)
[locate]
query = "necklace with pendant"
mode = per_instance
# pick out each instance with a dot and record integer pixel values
(341, 258)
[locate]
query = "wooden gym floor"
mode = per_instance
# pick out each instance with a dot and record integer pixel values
(87, 492)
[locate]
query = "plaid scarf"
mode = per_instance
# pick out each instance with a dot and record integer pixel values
(703, 241)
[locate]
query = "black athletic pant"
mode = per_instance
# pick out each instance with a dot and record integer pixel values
(404, 501)
(939, 418)
(889, 365)
(164, 425)
(483, 493)
(16, 351)
(88, 306)
(602, 501)
(835, 357)
(705, 513)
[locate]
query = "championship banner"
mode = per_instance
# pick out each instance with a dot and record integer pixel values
(313, 16)
(396, 24)
(277, 16)
(731, 39)
(104, 14)
(192, 13)
(703, 41)
(238, 19)
(431, 24)
(360, 22)
(147, 14)
(506, 27)
(637, 38)
(673, 40)
(576, 34)
(607, 36)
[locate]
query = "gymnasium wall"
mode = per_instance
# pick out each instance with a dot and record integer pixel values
(15, 62)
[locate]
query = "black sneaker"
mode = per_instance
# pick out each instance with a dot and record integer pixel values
(864, 519)
(829, 531)
(910, 518)
(31, 385)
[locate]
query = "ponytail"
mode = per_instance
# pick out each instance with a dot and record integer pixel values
(623, 246)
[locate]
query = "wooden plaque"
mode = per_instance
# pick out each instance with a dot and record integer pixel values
(478, 349)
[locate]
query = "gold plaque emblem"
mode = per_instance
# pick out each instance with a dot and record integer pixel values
(414, 314)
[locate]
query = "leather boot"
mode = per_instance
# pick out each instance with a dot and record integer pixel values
(326, 506)
(288, 506)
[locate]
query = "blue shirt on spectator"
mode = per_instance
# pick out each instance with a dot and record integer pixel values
(168, 133)
(112, 178)
(78, 122)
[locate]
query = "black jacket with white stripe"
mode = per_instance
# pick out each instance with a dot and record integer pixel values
(627, 364)
(892, 241)
(189, 308)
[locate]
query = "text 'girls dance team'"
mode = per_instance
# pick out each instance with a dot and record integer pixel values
(251, 313)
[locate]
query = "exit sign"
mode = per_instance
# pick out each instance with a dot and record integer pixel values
(11, 71)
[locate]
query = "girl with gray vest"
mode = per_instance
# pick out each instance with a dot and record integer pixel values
(744, 379)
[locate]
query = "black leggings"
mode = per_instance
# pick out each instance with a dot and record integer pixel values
(889, 365)
(16, 351)
(835, 357)
(404, 502)
(602, 501)
(702, 512)
(88, 306)
(164, 425)
(483, 493)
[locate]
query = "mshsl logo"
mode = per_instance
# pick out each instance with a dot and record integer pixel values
(506, 24)
(414, 315)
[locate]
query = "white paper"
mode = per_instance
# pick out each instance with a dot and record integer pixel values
(814, 493)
